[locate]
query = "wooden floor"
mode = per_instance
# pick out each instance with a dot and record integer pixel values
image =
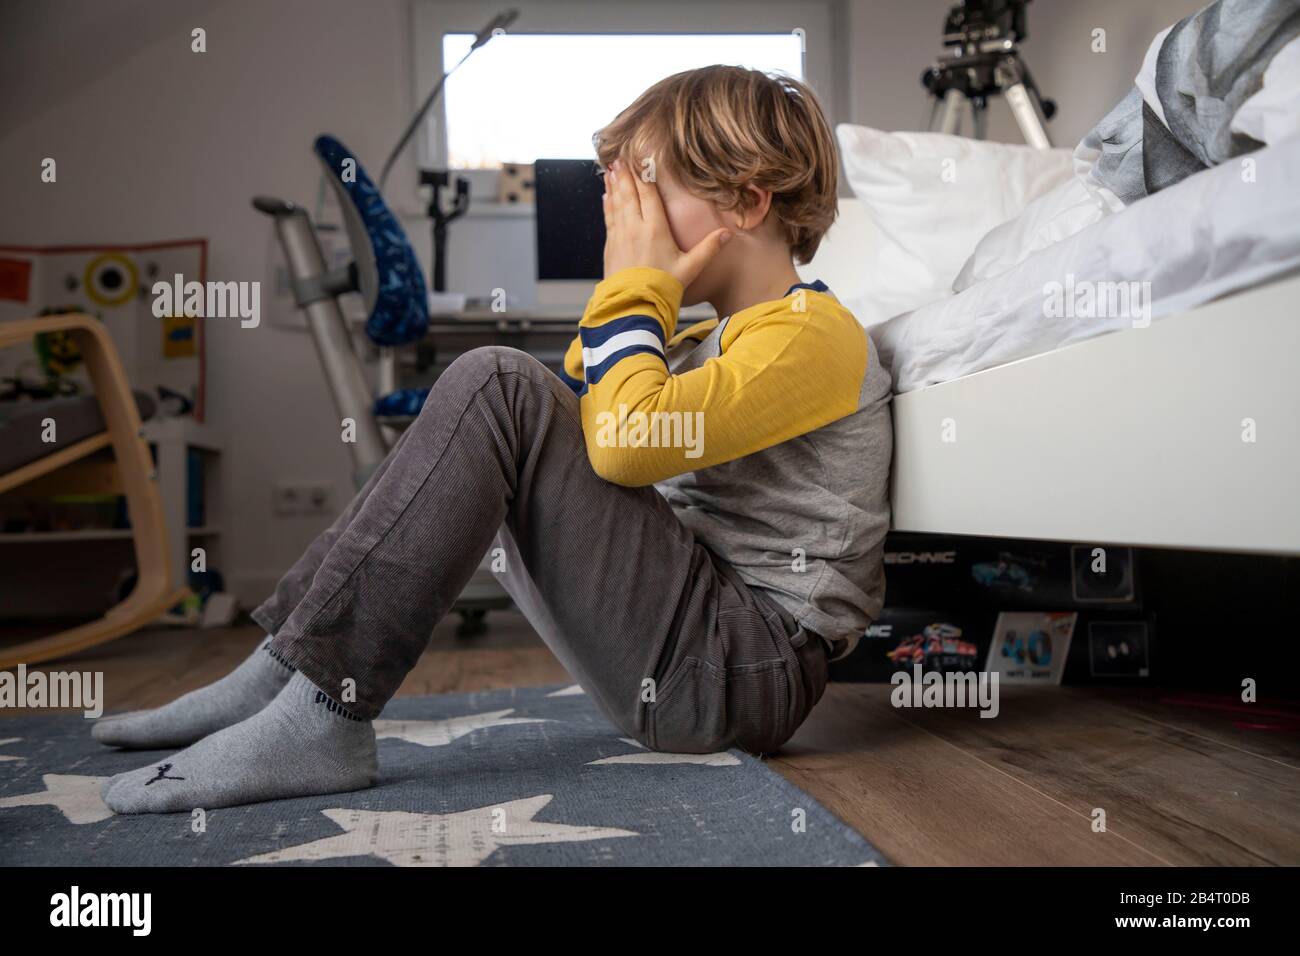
(1179, 784)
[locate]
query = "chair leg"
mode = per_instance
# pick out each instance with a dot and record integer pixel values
(118, 621)
(154, 592)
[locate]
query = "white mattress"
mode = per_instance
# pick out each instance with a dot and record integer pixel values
(1222, 230)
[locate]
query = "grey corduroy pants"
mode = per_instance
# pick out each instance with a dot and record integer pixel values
(675, 649)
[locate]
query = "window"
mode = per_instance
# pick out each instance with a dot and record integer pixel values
(525, 96)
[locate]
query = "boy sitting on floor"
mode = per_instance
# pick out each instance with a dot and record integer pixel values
(694, 578)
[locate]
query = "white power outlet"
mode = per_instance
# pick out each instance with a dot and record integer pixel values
(301, 497)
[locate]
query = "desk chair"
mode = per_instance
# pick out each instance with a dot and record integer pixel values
(387, 274)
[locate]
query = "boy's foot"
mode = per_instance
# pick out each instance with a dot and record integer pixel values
(237, 696)
(301, 744)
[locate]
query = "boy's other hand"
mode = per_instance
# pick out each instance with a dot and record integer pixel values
(637, 232)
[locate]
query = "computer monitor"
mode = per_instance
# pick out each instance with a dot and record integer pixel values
(571, 237)
(570, 230)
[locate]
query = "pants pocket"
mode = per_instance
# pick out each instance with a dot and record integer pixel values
(689, 713)
(742, 687)
(705, 709)
(758, 704)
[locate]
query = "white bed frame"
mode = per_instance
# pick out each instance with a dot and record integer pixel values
(1134, 438)
(1131, 438)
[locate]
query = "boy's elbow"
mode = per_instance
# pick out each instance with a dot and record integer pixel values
(615, 471)
(618, 468)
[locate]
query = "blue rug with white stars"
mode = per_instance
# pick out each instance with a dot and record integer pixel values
(520, 777)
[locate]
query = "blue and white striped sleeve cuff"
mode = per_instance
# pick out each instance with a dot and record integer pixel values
(607, 345)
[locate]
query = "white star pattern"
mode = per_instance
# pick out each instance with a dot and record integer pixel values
(650, 757)
(76, 797)
(439, 733)
(573, 690)
(10, 740)
(466, 838)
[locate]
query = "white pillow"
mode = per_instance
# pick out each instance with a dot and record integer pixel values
(931, 197)
(1069, 208)
(1272, 114)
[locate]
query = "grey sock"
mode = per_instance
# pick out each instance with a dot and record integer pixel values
(239, 695)
(301, 744)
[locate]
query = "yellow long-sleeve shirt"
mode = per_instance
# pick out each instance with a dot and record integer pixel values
(768, 431)
(785, 368)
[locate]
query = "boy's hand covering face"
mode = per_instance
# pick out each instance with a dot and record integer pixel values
(637, 231)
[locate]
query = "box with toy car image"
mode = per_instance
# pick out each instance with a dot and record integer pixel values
(902, 638)
(1004, 573)
(1023, 647)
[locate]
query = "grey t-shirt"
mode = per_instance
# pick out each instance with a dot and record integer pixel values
(805, 520)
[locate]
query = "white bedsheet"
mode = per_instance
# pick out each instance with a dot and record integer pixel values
(1217, 232)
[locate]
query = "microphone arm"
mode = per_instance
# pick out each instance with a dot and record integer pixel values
(499, 22)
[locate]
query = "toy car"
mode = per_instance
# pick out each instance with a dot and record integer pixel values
(1008, 571)
(939, 647)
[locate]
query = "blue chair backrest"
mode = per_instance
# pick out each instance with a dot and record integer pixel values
(390, 277)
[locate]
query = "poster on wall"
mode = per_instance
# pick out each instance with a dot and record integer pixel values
(162, 356)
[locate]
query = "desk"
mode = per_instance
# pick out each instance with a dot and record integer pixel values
(543, 333)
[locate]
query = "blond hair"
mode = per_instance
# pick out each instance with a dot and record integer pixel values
(720, 129)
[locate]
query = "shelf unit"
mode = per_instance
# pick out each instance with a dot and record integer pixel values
(171, 439)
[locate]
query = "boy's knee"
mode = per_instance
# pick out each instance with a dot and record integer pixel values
(473, 369)
(480, 367)
(493, 359)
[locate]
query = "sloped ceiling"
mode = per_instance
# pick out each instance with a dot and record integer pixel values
(52, 48)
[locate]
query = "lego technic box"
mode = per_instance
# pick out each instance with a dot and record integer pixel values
(1074, 647)
(1006, 574)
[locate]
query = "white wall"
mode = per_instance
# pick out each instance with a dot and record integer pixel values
(160, 142)
(156, 142)
(891, 42)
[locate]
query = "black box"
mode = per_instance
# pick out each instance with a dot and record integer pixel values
(903, 637)
(924, 571)
(1106, 646)
(1111, 648)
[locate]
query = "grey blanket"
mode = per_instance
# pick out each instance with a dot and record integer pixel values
(1207, 66)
